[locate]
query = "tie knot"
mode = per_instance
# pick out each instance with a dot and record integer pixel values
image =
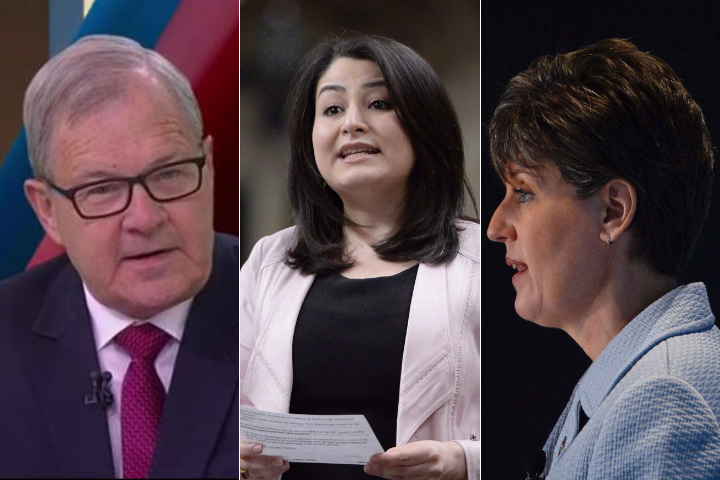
(142, 342)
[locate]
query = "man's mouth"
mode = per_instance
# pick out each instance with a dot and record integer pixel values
(148, 255)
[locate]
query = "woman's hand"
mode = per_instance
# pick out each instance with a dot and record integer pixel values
(426, 459)
(260, 466)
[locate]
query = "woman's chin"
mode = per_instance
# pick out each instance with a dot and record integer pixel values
(527, 312)
(533, 317)
(522, 310)
(359, 182)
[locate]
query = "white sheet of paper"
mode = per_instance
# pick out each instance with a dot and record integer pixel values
(346, 439)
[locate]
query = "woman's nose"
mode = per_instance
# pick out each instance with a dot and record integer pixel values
(500, 228)
(354, 120)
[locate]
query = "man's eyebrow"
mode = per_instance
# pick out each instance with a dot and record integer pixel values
(93, 175)
(103, 173)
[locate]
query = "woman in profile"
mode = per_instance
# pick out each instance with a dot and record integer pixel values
(608, 169)
(370, 303)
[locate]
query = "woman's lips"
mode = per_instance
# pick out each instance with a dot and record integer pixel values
(358, 157)
(357, 152)
(519, 266)
(518, 275)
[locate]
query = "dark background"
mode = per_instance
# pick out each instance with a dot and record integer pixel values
(528, 372)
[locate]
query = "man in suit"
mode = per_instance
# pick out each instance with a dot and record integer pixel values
(120, 358)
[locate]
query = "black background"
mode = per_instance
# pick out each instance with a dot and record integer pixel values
(528, 372)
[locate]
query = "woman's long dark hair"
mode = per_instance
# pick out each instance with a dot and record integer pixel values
(428, 230)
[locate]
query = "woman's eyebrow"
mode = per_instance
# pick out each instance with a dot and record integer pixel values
(340, 88)
(515, 169)
(334, 88)
(374, 84)
(525, 175)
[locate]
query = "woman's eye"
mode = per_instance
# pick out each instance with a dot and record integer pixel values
(524, 195)
(331, 110)
(381, 105)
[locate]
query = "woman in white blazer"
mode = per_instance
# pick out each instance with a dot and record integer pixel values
(608, 169)
(379, 279)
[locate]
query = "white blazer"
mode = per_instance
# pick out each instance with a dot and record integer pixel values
(439, 397)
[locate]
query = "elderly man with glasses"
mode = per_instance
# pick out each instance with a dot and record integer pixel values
(120, 358)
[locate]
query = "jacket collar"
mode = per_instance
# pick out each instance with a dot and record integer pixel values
(683, 310)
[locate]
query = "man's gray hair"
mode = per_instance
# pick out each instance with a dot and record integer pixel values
(93, 71)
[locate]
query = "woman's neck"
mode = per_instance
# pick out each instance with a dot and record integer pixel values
(621, 300)
(371, 224)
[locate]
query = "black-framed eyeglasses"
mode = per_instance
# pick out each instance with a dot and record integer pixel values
(103, 198)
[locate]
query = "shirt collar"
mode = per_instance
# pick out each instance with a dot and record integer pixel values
(683, 310)
(107, 323)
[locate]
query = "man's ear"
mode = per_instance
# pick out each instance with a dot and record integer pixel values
(208, 148)
(36, 193)
(619, 199)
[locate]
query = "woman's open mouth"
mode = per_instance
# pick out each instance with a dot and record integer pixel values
(357, 151)
(519, 266)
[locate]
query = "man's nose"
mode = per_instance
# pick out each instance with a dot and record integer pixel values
(143, 214)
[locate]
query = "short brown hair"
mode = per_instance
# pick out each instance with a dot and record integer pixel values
(610, 111)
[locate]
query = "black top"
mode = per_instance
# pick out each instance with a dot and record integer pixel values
(347, 357)
(583, 419)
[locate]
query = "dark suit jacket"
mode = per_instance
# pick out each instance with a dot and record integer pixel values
(47, 352)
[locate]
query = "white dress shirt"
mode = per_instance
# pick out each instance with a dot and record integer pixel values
(106, 324)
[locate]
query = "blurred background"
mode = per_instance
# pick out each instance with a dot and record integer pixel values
(24, 46)
(529, 372)
(274, 34)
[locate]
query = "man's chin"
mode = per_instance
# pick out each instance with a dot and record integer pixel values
(146, 299)
(145, 308)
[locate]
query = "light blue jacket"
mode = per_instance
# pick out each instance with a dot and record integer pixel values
(652, 397)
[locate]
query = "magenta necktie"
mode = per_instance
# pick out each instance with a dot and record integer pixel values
(142, 398)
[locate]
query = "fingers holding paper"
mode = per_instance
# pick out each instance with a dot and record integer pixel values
(424, 460)
(259, 466)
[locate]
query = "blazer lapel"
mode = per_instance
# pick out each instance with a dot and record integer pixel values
(203, 389)
(62, 356)
(427, 378)
(269, 379)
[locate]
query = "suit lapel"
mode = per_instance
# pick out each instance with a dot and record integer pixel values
(62, 355)
(203, 389)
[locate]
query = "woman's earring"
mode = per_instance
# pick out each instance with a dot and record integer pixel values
(607, 240)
